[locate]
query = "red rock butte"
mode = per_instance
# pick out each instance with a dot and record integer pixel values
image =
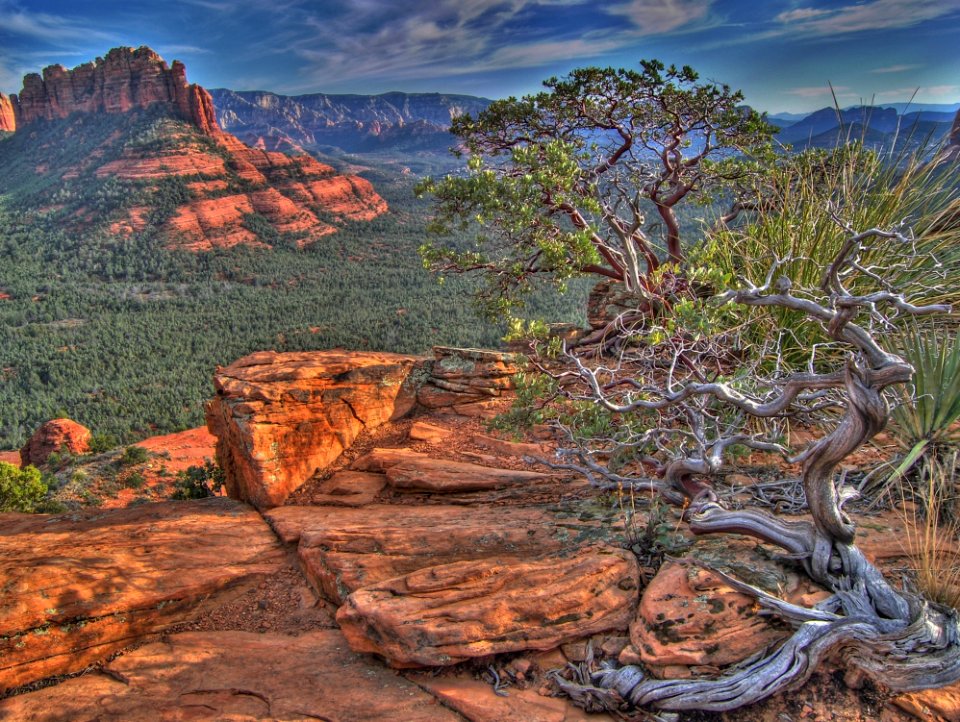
(125, 79)
(296, 195)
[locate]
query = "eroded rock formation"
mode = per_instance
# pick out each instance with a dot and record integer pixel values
(279, 417)
(449, 613)
(52, 437)
(124, 79)
(233, 194)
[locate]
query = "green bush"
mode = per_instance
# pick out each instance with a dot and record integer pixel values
(100, 442)
(134, 455)
(21, 489)
(199, 482)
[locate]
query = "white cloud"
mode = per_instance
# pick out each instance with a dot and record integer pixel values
(818, 91)
(895, 69)
(43, 26)
(652, 17)
(870, 15)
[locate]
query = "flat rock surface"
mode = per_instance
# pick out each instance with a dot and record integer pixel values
(439, 476)
(234, 676)
(453, 612)
(342, 550)
(77, 587)
(476, 701)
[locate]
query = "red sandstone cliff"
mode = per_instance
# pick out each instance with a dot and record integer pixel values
(123, 80)
(8, 121)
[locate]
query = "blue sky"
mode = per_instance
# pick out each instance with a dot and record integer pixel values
(781, 53)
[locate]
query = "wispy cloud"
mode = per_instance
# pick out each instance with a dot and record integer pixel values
(817, 91)
(895, 69)
(47, 27)
(929, 93)
(870, 15)
(653, 17)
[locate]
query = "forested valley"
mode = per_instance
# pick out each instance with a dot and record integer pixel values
(123, 335)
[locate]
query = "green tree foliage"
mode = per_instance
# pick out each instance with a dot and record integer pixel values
(199, 482)
(562, 182)
(21, 490)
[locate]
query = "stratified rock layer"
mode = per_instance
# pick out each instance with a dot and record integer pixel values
(279, 417)
(450, 613)
(464, 379)
(53, 437)
(234, 676)
(343, 550)
(119, 82)
(78, 587)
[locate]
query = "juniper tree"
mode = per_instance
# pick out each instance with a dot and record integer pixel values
(562, 182)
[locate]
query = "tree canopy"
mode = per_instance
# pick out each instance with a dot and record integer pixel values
(562, 182)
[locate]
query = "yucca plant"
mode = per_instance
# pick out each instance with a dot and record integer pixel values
(925, 422)
(799, 212)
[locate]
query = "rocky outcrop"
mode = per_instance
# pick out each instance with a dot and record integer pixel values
(278, 417)
(234, 676)
(121, 81)
(447, 614)
(233, 194)
(54, 437)
(79, 587)
(466, 380)
(8, 121)
(343, 550)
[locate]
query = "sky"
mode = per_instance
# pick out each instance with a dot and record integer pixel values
(783, 54)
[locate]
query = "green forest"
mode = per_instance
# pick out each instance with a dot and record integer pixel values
(124, 336)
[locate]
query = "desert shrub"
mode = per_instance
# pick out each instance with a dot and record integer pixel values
(21, 490)
(930, 535)
(135, 481)
(796, 219)
(101, 442)
(199, 482)
(134, 455)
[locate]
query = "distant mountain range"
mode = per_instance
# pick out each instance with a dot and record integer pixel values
(885, 126)
(411, 122)
(353, 123)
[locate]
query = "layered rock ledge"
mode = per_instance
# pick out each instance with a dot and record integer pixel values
(79, 587)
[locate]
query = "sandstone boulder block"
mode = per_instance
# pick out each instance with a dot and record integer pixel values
(279, 417)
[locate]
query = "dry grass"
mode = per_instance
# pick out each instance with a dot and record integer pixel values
(932, 532)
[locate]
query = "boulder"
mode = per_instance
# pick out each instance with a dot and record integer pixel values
(279, 417)
(234, 676)
(53, 437)
(349, 488)
(453, 612)
(343, 550)
(688, 616)
(429, 433)
(78, 587)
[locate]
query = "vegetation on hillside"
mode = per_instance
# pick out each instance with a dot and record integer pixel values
(123, 335)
